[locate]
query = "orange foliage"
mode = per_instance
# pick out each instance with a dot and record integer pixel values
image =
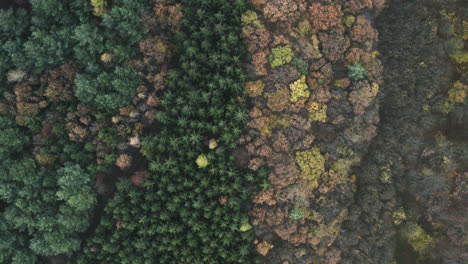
(281, 10)
(137, 178)
(325, 16)
(363, 30)
(59, 82)
(256, 39)
(260, 62)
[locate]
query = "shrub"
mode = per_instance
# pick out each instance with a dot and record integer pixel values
(280, 56)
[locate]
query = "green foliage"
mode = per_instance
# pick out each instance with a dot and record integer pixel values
(417, 237)
(301, 65)
(52, 224)
(11, 140)
(356, 71)
(123, 21)
(176, 216)
(280, 56)
(245, 227)
(296, 214)
(349, 21)
(46, 203)
(89, 42)
(13, 23)
(75, 188)
(108, 91)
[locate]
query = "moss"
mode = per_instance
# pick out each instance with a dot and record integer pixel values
(318, 112)
(348, 21)
(417, 237)
(280, 56)
(312, 164)
(299, 89)
(202, 161)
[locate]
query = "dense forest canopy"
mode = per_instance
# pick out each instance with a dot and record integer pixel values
(233, 131)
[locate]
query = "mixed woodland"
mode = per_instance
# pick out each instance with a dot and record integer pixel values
(233, 131)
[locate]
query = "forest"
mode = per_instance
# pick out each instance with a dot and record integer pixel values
(233, 131)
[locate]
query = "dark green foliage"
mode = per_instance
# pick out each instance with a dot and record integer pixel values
(89, 43)
(74, 188)
(11, 140)
(176, 217)
(108, 91)
(123, 21)
(52, 215)
(301, 65)
(47, 48)
(43, 210)
(13, 23)
(50, 207)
